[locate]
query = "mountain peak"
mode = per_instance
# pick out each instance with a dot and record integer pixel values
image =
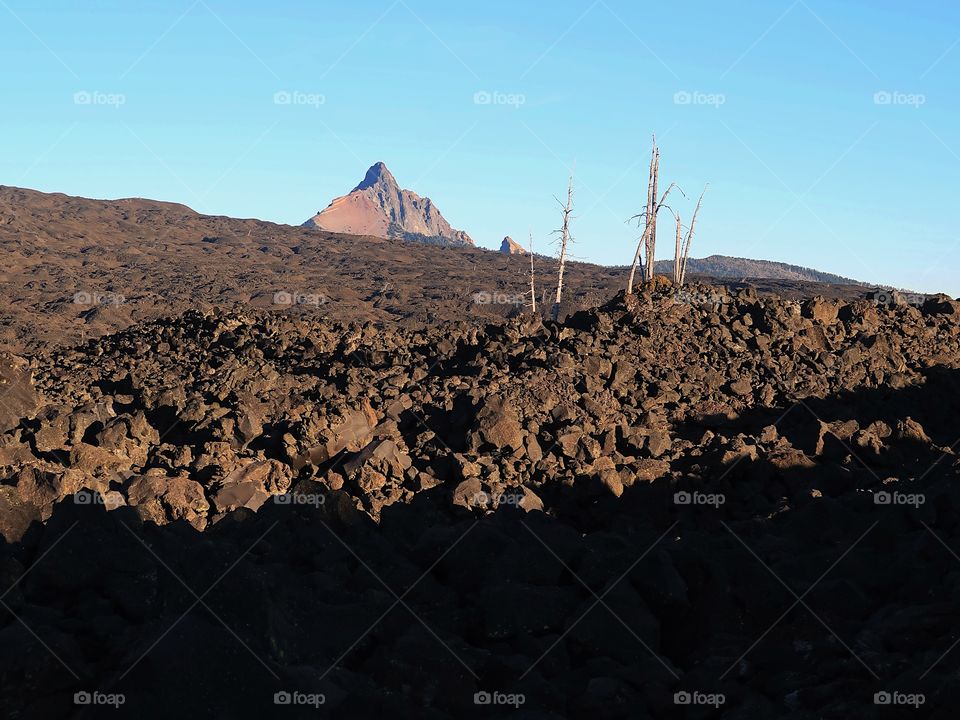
(378, 206)
(378, 174)
(509, 246)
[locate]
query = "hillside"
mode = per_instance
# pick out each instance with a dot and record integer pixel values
(74, 268)
(724, 267)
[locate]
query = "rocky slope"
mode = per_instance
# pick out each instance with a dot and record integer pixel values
(680, 496)
(378, 206)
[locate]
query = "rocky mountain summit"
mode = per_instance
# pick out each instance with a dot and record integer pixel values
(612, 516)
(378, 206)
(509, 246)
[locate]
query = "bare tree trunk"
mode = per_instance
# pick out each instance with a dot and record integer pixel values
(636, 260)
(564, 239)
(647, 245)
(676, 254)
(533, 286)
(652, 214)
(642, 245)
(689, 241)
(644, 241)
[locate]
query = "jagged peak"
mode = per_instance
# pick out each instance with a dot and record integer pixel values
(378, 174)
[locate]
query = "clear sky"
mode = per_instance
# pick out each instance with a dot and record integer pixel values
(828, 131)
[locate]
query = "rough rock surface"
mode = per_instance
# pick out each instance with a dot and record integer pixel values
(594, 515)
(17, 397)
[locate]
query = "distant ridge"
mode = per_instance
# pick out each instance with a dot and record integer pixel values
(378, 206)
(722, 266)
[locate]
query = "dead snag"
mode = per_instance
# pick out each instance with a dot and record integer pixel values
(647, 245)
(564, 239)
(533, 286)
(676, 254)
(689, 240)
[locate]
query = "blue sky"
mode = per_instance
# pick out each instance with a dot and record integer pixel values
(828, 131)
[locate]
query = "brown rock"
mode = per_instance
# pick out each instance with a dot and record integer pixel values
(822, 311)
(16, 514)
(658, 443)
(910, 429)
(43, 486)
(383, 455)
(569, 441)
(97, 461)
(534, 451)
(648, 470)
(354, 432)
(497, 424)
(530, 501)
(165, 499)
(611, 480)
(13, 452)
(470, 494)
(787, 458)
(371, 480)
(468, 468)
(252, 484)
(19, 399)
(54, 432)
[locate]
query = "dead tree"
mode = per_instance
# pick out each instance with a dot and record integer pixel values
(682, 276)
(676, 255)
(533, 285)
(564, 239)
(652, 210)
(647, 244)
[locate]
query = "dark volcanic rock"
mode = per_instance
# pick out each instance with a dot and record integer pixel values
(594, 516)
